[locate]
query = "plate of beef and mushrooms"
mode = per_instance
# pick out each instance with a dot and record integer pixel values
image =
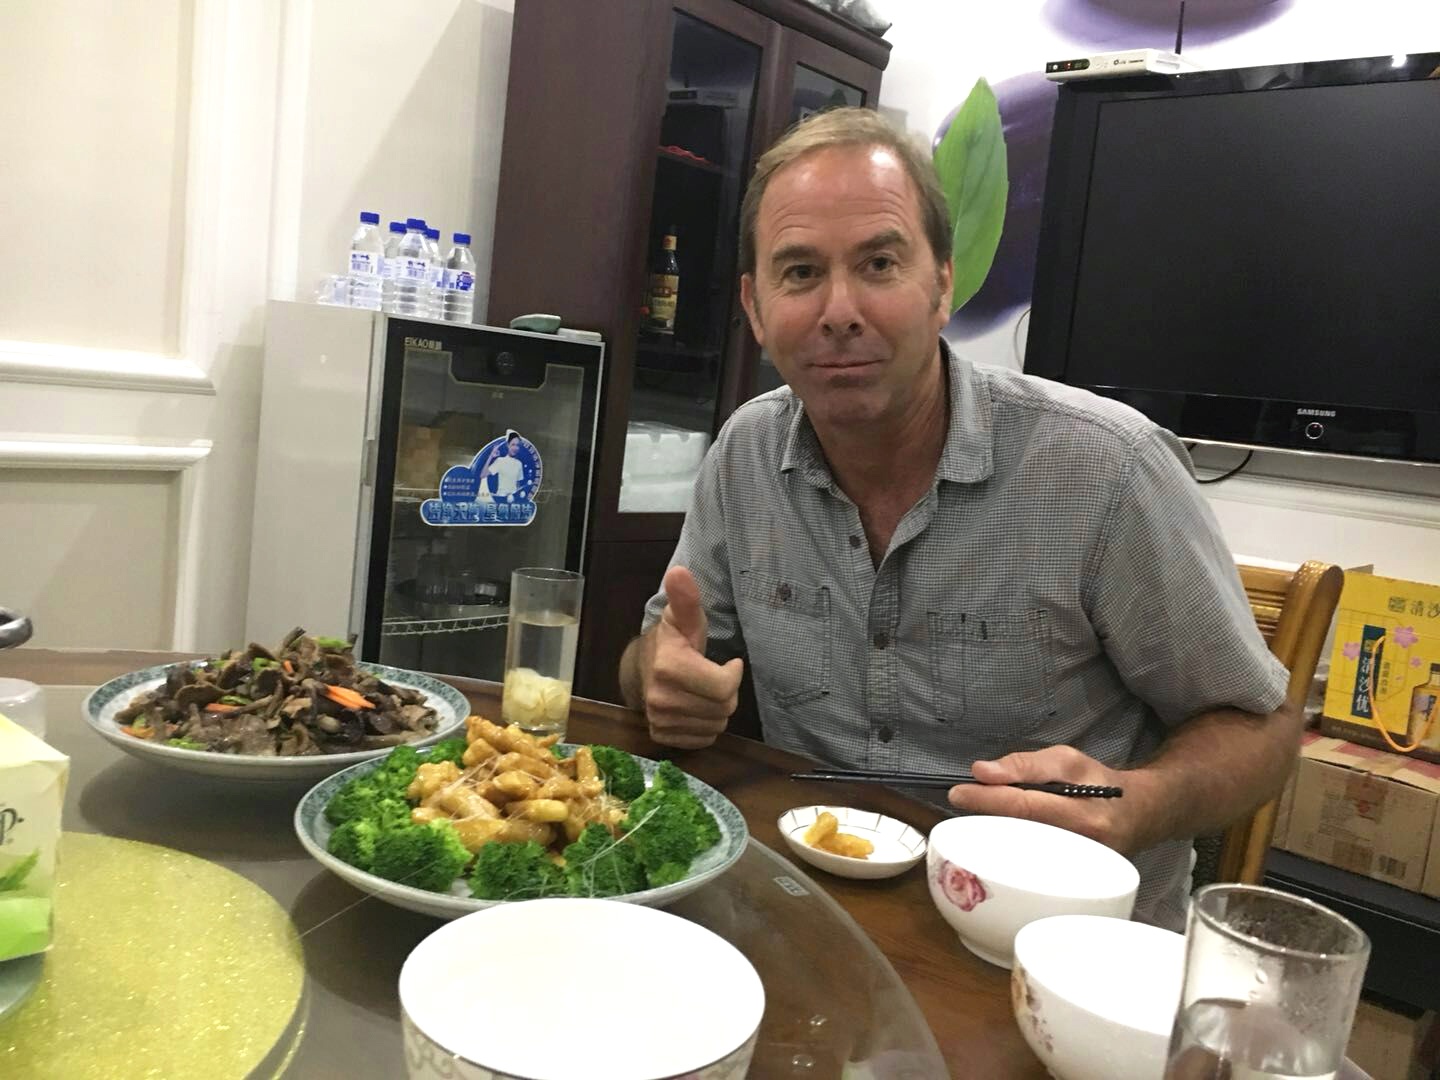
(299, 711)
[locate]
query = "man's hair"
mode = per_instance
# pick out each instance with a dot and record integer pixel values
(848, 127)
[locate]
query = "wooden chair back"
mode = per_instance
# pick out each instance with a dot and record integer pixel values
(1293, 609)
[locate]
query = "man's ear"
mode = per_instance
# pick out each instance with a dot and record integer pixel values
(751, 305)
(944, 283)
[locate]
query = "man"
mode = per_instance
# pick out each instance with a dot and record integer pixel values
(929, 564)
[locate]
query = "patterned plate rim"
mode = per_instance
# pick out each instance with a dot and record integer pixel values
(735, 831)
(107, 693)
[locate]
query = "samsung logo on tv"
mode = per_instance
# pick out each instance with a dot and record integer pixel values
(1315, 412)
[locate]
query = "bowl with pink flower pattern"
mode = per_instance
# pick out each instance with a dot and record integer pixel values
(989, 876)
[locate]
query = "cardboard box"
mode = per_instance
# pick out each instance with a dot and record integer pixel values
(1388, 1044)
(1287, 796)
(32, 790)
(1364, 810)
(1431, 885)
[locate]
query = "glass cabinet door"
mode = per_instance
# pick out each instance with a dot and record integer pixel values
(688, 292)
(482, 467)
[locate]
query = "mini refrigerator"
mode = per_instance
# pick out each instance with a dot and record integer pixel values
(404, 469)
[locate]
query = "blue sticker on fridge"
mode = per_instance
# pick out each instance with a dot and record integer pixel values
(497, 488)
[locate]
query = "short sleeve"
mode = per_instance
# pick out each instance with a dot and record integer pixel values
(702, 549)
(1166, 601)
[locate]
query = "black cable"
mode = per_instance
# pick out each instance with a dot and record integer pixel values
(1226, 476)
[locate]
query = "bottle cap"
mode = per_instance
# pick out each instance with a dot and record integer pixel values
(462, 238)
(397, 226)
(414, 223)
(369, 217)
(432, 234)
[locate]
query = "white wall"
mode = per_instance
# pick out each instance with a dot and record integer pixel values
(1282, 507)
(422, 141)
(208, 154)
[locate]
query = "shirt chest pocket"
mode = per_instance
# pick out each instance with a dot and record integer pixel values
(786, 625)
(992, 673)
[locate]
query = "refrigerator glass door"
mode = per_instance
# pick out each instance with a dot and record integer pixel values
(482, 466)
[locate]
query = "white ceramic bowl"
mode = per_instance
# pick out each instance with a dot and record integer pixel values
(1095, 998)
(989, 876)
(567, 989)
(897, 846)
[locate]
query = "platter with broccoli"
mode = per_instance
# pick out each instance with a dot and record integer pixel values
(500, 816)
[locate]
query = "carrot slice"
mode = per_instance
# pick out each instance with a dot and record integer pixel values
(215, 706)
(289, 667)
(139, 733)
(348, 698)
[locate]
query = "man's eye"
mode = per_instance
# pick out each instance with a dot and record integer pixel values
(881, 263)
(798, 273)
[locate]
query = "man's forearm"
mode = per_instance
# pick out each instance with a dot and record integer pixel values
(632, 670)
(1213, 769)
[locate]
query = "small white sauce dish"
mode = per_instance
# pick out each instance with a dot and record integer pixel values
(897, 846)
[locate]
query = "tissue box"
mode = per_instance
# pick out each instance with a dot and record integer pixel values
(32, 789)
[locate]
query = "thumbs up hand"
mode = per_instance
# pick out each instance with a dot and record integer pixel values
(688, 698)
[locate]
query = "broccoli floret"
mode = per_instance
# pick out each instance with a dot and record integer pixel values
(668, 827)
(355, 800)
(354, 843)
(427, 856)
(669, 775)
(621, 772)
(389, 813)
(515, 872)
(561, 752)
(398, 767)
(448, 750)
(595, 865)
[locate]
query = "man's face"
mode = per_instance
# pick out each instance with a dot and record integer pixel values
(513, 446)
(846, 298)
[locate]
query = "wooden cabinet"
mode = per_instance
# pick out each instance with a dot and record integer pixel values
(627, 121)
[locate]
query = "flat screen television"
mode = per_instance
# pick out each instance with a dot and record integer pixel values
(1251, 256)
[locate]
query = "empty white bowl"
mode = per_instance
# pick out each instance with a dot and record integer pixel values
(1095, 998)
(897, 846)
(576, 989)
(989, 876)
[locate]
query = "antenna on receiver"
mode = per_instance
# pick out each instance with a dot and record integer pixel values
(1180, 29)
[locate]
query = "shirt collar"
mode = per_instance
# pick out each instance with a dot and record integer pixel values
(968, 454)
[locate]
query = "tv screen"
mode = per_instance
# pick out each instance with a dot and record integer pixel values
(1252, 255)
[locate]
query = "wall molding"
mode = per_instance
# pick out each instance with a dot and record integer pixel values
(62, 454)
(109, 369)
(1394, 508)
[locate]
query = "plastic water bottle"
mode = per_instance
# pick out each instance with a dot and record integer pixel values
(435, 294)
(367, 249)
(458, 281)
(412, 271)
(387, 266)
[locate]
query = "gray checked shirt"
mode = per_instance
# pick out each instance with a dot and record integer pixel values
(1062, 582)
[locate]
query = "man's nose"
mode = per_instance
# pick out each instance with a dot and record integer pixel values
(841, 317)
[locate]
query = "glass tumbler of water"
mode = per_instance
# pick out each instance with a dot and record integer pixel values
(1271, 982)
(540, 649)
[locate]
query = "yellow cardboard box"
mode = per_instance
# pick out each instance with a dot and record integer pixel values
(1385, 667)
(1364, 810)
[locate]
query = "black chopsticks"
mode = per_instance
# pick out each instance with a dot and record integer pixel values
(930, 780)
